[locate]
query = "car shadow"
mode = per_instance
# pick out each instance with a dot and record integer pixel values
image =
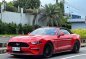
(26, 57)
(40, 57)
(63, 54)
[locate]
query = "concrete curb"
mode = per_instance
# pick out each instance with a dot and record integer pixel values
(7, 36)
(3, 50)
(3, 45)
(83, 45)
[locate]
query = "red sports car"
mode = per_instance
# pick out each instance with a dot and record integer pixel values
(44, 41)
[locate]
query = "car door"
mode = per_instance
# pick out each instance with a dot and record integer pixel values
(57, 41)
(65, 40)
(57, 44)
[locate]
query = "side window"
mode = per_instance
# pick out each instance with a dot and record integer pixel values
(65, 31)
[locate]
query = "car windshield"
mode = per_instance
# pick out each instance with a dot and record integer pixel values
(44, 31)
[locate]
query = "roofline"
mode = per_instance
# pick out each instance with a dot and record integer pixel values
(76, 20)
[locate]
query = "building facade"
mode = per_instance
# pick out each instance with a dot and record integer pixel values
(77, 23)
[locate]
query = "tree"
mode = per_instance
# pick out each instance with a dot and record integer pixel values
(0, 4)
(56, 1)
(26, 4)
(51, 15)
(61, 4)
(10, 7)
(34, 12)
(30, 6)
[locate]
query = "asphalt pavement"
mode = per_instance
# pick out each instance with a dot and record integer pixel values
(66, 55)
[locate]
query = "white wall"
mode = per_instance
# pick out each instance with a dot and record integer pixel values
(17, 18)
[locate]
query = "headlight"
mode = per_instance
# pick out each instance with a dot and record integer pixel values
(36, 42)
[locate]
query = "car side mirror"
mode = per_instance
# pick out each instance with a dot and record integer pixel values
(28, 33)
(61, 34)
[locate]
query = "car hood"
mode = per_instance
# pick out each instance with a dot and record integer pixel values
(29, 38)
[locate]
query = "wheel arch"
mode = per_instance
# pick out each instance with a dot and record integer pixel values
(50, 43)
(76, 40)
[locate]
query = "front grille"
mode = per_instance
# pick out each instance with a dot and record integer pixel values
(18, 44)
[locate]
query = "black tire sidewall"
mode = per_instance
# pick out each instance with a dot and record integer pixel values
(76, 47)
(48, 45)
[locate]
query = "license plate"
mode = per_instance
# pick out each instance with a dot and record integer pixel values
(15, 48)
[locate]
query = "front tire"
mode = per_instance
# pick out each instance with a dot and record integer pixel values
(76, 47)
(48, 50)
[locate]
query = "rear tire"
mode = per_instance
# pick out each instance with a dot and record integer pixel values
(48, 50)
(76, 47)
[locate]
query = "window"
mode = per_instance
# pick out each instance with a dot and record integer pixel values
(65, 31)
(44, 31)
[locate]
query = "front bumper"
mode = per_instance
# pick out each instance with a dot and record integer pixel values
(31, 50)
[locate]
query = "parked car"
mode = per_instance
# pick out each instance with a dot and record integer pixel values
(44, 41)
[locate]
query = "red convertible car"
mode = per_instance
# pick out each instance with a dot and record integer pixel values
(44, 41)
